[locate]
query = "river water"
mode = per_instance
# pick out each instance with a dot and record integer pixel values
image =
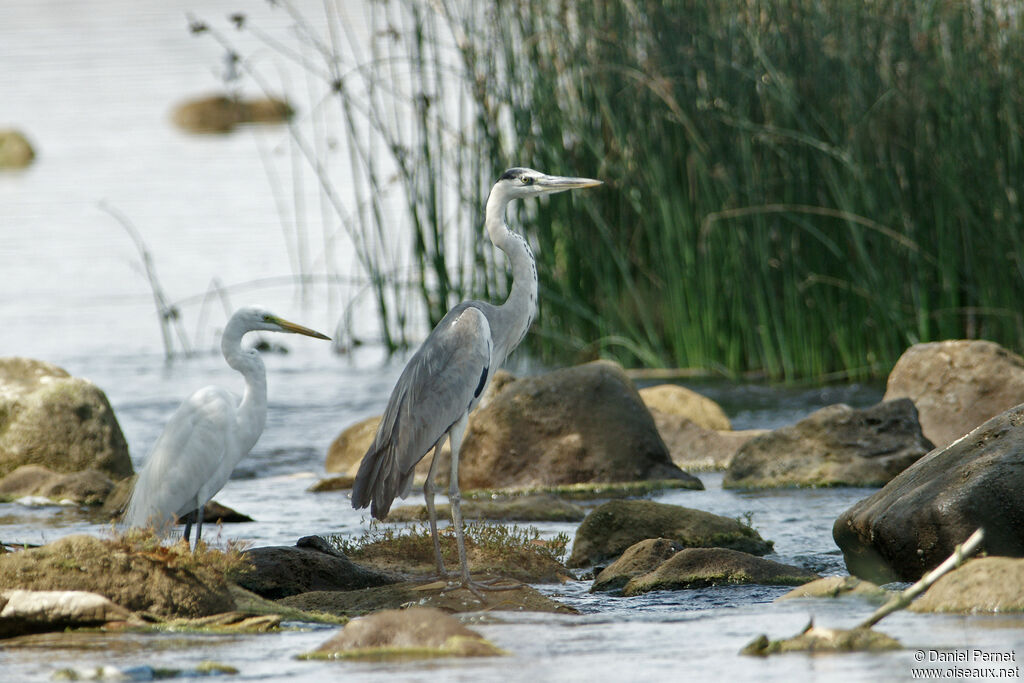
(92, 85)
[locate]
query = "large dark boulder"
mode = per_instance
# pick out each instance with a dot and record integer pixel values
(835, 446)
(613, 527)
(914, 522)
(956, 385)
(49, 418)
(310, 565)
(582, 424)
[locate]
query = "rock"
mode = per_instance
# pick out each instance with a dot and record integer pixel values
(984, 584)
(15, 150)
(353, 603)
(221, 114)
(836, 586)
(581, 424)
(23, 611)
(835, 446)
(695, 448)
(342, 482)
(166, 585)
(672, 399)
(412, 632)
(280, 571)
(88, 487)
(61, 422)
(527, 508)
(348, 448)
(957, 385)
(700, 567)
(912, 524)
(616, 525)
(821, 640)
(639, 558)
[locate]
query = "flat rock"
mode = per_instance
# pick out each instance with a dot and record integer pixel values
(25, 611)
(836, 586)
(137, 581)
(694, 448)
(981, 585)
(526, 508)
(639, 558)
(957, 385)
(613, 527)
(581, 424)
(525, 598)
(700, 567)
(673, 399)
(412, 632)
(280, 571)
(835, 446)
(913, 523)
(63, 423)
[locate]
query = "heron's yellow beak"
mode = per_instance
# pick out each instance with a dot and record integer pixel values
(287, 326)
(554, 183)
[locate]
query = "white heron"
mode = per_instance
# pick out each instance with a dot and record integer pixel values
(448, 374)
(208, 434)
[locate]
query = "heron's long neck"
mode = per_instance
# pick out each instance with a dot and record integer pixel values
(252, 411)
(520, 308)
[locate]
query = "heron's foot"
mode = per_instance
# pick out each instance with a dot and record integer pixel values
(478, 588)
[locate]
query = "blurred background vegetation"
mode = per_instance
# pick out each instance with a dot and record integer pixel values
(796, 188)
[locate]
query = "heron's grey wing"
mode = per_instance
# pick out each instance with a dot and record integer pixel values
(185, 456)
(439, 385)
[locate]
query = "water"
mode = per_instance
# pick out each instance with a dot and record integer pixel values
(92, 85)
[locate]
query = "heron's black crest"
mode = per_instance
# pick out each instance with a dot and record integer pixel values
(513, 173)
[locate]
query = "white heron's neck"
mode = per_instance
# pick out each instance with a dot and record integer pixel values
(252, 411)
(520, 308)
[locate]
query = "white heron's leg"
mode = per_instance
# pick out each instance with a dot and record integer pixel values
(428, 498)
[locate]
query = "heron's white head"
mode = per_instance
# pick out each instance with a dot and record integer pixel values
(525, 182)
(253, 318)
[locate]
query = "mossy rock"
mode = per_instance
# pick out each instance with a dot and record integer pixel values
(824, 640)
(700, 567)
(981, 585)
(639, 559)
(614, 526)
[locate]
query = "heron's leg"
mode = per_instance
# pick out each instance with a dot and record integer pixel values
(428, 498)
(455, 498)
(199, 523)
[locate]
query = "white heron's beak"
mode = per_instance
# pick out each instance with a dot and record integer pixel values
(554, 183)
(287, 326)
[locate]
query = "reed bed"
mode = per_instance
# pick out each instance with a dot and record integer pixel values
(799, 188)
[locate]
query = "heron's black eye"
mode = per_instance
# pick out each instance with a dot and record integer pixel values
(527, 180)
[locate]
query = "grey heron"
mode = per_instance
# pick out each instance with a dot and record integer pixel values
(445, 378)
(208, 434)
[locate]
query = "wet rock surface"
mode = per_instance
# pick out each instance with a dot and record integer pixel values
(310, 565)
(915, 521)
(614, 526)
(835, 446)
(49, 418)
(699, 567)
(639, 558)
(957, 385)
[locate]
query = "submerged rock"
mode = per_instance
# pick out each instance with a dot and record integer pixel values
(638, 559)
(678, 401)
(835, 446)
(221, 114)
(957, 385)
(914, 523)
(49, 418)
(984, 584)
(412, 632)
(700, 567)
(161, 583)
(616, 525)
(525, 508)
(310, 565)
(576, 425)
(836, 586)
(29, 611)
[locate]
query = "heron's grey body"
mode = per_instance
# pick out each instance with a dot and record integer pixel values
(446, 377)
(209, 433)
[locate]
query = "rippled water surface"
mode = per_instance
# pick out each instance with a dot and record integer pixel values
(92, 85)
